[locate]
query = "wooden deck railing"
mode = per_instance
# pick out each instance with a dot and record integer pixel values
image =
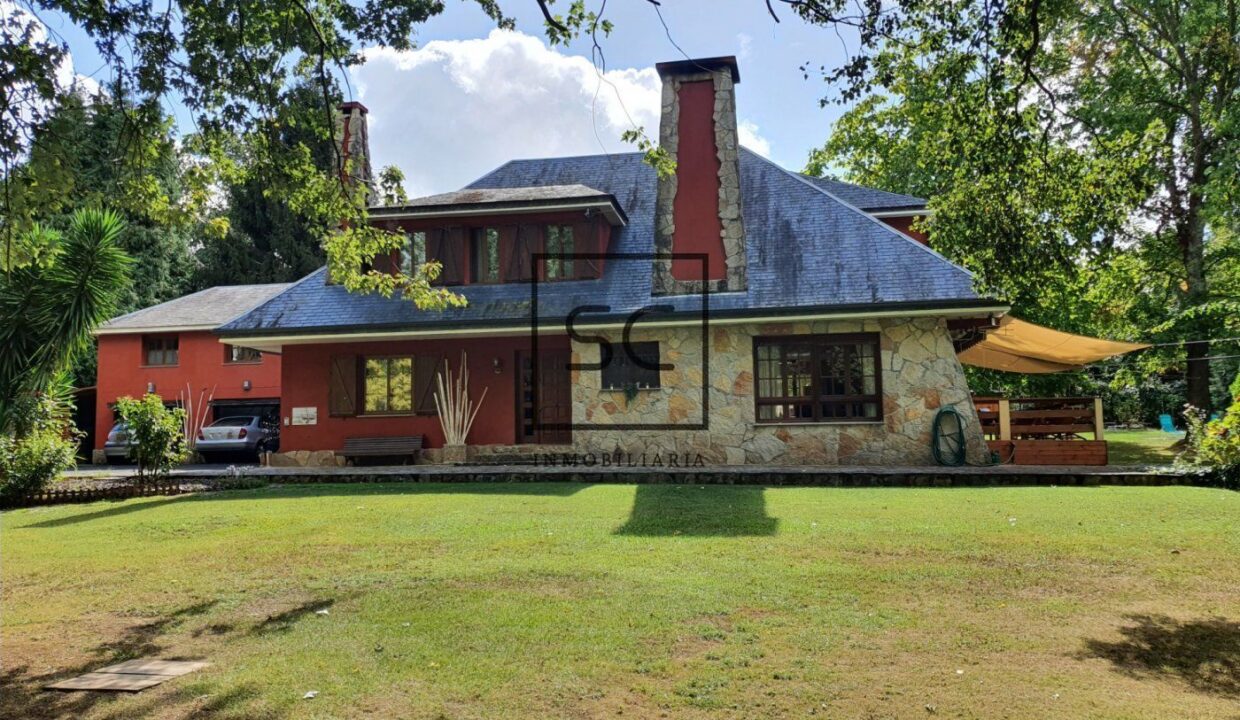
(1040, 418)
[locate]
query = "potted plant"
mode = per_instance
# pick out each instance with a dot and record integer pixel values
(456, 410)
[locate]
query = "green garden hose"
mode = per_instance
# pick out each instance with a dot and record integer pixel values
(947, 437)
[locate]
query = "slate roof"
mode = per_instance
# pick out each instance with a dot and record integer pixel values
(207, 309)
(807, 250)
(868, 199)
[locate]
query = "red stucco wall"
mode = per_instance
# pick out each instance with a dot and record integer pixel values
(201, 364)
(905, 225)
(696, 207)
(307, 369)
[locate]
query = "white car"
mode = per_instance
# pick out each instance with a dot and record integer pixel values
(238, 434)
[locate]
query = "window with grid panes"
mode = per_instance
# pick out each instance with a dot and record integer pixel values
(818, 378)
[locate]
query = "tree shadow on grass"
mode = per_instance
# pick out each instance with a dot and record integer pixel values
(190, 702)
(1205, 654)
(115, 508)
(284, 621)
(699, 511)
(141, 640)
(21, 690)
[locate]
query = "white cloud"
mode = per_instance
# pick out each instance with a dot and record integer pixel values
(746, 45)
(17, 23)
(747, 133)
(453, 110)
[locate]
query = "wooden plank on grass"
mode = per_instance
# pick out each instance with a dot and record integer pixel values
(112, 682)
(169, 668)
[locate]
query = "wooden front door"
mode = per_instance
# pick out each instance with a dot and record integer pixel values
(549, 401)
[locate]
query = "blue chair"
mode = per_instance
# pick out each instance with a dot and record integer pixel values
(1167, 424)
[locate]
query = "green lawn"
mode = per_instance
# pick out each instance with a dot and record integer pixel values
(1142, 447)
(580, 601)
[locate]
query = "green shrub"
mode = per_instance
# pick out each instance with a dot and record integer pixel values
(43, 446)
(1214, 446)
(156, 433)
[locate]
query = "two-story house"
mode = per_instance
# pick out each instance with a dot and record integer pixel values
(171, 350)
(771, 317)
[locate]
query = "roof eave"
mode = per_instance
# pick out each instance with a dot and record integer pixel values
(147, 329)
(608, 204)
(909, 211)
(963, 307)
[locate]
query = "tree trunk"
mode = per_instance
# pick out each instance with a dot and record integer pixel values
(1191, 236)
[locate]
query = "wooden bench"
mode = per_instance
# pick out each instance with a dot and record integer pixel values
(402, 447)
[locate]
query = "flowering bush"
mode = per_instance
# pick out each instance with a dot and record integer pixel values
(1214, 445)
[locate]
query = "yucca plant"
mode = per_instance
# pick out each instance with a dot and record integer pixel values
(49, 308)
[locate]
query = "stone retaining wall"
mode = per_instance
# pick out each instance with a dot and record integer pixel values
(920, 374)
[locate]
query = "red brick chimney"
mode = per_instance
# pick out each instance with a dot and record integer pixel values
(354, 146)
(698, 210)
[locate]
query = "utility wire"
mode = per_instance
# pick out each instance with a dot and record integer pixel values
(1193, 342)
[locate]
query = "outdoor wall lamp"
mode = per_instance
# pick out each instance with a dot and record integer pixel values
(245, 385)
(498, 365)
(150, 387)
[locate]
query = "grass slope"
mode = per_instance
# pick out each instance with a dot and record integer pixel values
(557, 600)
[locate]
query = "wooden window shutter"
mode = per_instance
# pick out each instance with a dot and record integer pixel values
(507, 253)
(384, 263)
(387, 262)
(585, 241)
(342, 386)
(425, 368)
(454, 256)
(435, 250)
(528, 241)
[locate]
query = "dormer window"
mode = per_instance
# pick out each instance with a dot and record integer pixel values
(492, 235)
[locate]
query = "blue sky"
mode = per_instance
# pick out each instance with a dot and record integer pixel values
(471, 98)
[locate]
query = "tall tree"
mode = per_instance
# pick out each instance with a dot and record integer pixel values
(1173, 67)
(87, 153)
(257, 237)
(230, 66)
(1028, 214)
(1044, 106)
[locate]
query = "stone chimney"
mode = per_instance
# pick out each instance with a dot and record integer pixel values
(698, 210)
(354, 141)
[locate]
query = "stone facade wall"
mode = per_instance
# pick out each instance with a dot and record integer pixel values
(727, 147)
(920, 374)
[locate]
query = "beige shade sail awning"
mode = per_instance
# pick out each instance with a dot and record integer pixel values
(1019, 346)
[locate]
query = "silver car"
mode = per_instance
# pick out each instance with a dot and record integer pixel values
(116, 447)
(238, 434)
